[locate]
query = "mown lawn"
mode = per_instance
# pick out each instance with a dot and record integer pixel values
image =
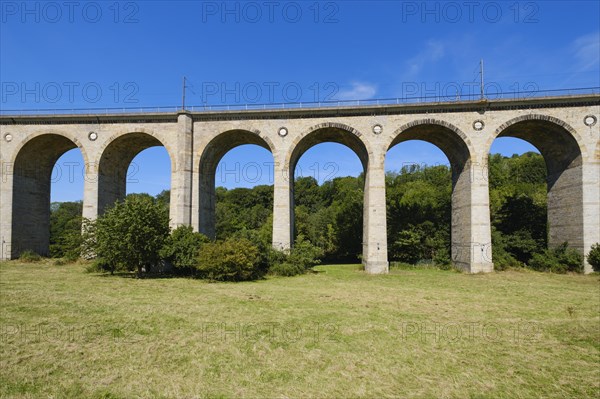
(333, 334)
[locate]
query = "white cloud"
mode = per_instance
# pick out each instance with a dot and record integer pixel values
(587, 51)
(358, 91)
(433, 51)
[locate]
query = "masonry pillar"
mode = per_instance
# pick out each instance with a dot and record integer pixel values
(375, 258)
(282, 207)
(90, 191)
(207, 202)
(572, 198)
(591, 208)
(471, 226)
(180, 211)
(6, 194)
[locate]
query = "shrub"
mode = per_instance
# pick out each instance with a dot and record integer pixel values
(98, 265)
(286, 269)
(561, 259)
(406, 248)
(230, 260)
(304, 256)
(593, 257)
(71, 257)
(29, 256)
(500, 256)
(129, 235)
(182, 248)
(265, 251)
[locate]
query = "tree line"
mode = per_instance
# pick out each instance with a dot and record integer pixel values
(329, 216)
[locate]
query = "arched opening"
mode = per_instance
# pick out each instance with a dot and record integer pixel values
(128, 166)
(419, 203)
(453, 144)
(245, 194)
(327, 199)
(66, 204)
(536, 196)
(32, 181)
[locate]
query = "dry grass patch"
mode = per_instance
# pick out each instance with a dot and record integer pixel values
(337, 333)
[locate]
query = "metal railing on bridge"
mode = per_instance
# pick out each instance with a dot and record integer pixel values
(300, 105)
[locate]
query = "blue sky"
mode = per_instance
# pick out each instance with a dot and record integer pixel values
(133, 54)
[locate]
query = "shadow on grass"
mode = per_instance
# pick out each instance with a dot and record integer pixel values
(146, 276)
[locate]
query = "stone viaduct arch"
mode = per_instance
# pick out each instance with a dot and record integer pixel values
(566, 130)
(468, 225)
(322, 133)
(32, 170)
(115, 158)
(562, 149)
(209, 159)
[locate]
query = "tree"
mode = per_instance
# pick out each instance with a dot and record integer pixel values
(182, 248)
(593, 257)
(65, 228)
(130, 235)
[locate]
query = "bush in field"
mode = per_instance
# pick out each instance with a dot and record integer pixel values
(560, 259)
(501, 257)
(303, 257)
(260, 241)
(230, 260)
(593, 257)
(129, 235)
(182, 248)
(29, 256)
(305, 254)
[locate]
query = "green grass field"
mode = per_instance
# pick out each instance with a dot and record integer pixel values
(333, 334)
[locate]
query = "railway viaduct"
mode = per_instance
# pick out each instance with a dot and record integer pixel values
(565, 129)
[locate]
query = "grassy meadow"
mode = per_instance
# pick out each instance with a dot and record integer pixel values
(330, 334)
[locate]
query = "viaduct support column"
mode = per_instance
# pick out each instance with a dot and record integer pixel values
(591, 208)
(471, 226)
(283, 224)
(6, 196)
(375, 258)
(181, 174)
(90, 189)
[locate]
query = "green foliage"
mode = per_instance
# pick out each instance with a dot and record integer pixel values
(242, 208)
(164, 198)
(593, 257)
(29, 256)
(286, 269)
(560, 259)
(182, 248)
(98, 265)
(406, 248)
(230, 260)
(330, 216)
(65, 229)
(129, 235)
(422, 242)
(301, 258)
(500, 256)
(418, 214)
(518, 208)
(304, 254)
